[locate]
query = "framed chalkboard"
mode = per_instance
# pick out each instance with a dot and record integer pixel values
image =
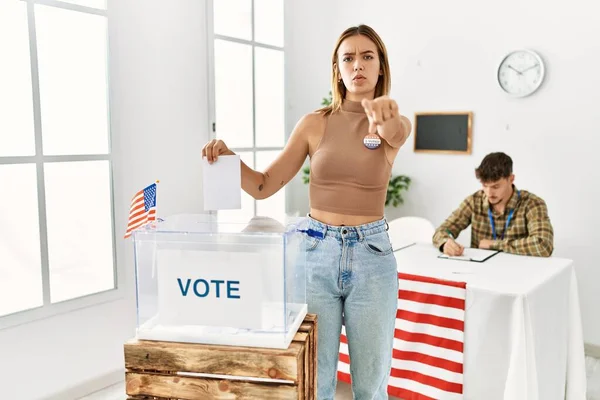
(443, 132)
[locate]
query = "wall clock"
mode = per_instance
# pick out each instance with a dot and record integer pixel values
(521, 73)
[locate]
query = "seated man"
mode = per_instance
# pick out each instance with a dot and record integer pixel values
(502, 217)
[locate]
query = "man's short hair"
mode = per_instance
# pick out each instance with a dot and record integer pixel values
(494, 166)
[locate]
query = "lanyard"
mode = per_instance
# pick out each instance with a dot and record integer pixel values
(510, 214)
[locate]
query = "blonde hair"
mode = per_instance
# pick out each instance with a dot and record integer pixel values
(338, 89)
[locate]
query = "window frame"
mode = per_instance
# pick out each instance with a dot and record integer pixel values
(212, 129)
(49, 309)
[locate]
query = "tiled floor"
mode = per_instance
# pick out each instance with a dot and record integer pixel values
(117, 392)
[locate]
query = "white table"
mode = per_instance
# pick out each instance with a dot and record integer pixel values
(523, 336)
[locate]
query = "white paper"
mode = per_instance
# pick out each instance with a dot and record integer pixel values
(222, 183)
(471, 254)
(210, 288)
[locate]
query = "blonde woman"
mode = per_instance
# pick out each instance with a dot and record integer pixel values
(351, 269)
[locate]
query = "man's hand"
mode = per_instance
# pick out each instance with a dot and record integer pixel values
(486, 244)
(453, 249)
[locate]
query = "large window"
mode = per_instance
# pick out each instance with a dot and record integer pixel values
(56, 215)
(248, 103)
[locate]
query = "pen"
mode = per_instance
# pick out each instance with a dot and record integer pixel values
(452, 237)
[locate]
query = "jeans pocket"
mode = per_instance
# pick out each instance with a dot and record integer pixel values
(378, 244)
(311, 243)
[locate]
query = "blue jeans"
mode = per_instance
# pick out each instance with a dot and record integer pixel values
(351, 273)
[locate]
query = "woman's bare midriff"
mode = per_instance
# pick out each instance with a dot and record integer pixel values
(335, 219)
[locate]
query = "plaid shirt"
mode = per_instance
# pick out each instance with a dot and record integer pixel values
(529, 232)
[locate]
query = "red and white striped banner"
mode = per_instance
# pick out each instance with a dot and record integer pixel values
(427, 359)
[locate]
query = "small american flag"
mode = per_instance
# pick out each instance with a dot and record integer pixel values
(143, 209)
(427, 359)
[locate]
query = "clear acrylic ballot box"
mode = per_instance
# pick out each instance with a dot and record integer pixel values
(203, 280)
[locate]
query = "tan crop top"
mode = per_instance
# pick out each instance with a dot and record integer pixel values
(345, 176)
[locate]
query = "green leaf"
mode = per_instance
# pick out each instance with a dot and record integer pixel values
(327, 100)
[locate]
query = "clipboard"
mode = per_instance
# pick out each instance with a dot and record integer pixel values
(477, 255)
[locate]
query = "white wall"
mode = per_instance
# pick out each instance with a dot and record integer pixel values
(444, 56)
(158, 71)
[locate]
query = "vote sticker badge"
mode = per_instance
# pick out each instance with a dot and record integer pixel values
(372, 141)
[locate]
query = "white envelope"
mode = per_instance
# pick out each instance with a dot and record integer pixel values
(222, 183)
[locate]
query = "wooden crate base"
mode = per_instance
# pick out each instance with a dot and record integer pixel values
(169, 370)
